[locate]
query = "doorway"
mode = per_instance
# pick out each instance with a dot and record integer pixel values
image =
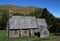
(37, 34)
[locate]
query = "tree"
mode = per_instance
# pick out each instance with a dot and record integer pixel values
(50, 19)
(37, 13)
(4, 19)
(18, 14)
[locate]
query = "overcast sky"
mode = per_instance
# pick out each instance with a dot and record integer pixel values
(52, 5)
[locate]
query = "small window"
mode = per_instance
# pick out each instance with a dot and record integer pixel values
(16, 31)
(44, 32)
(25, 31)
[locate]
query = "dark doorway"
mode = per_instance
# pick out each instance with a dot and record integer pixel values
(37, 34)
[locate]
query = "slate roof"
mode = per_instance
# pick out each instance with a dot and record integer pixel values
(22, 22)
(41, 24)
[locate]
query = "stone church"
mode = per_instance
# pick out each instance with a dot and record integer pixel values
(19, 26)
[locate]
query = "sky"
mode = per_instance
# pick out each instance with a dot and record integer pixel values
(53, 6)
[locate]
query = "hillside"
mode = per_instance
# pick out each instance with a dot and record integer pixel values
(19, 9)
(30, 10)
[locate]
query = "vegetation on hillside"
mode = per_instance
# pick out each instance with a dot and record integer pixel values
(52, 21)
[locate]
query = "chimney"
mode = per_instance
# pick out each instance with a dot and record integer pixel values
(10, 13)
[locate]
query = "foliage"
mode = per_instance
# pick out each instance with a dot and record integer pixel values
(4, 19)
(18, 14)
(56, 27)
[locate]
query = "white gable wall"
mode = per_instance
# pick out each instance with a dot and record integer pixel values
(44, 33)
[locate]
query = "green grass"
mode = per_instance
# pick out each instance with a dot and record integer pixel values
(3, 37)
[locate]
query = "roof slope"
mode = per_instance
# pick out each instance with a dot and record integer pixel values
(22, 22)
(41, 22)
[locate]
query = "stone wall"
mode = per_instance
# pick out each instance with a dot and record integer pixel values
(21, 33)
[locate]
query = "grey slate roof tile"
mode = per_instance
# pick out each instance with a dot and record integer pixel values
(21, 22)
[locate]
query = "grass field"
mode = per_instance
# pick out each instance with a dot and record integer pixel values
(3, 37)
